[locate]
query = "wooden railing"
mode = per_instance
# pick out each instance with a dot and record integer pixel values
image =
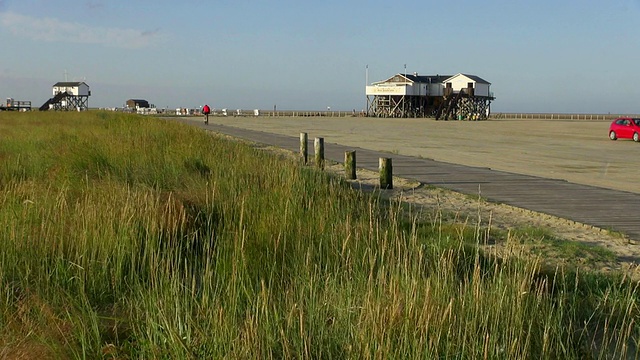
(331, 113)
(550, 116)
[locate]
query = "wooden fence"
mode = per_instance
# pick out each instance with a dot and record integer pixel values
(543, 116)
(339, 114)
(532, 116)
(296, 113)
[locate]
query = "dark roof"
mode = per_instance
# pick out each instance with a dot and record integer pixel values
(68, 83)
(435, 79)
(477, 79)
(138, 102)
(427, 78)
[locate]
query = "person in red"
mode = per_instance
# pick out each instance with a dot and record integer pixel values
(206, 110)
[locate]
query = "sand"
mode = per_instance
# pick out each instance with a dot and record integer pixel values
(577, 151)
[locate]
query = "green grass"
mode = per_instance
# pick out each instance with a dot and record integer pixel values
(546, 245)
(563, 249)
(133, 237)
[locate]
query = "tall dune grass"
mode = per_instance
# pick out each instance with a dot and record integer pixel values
(125, 236)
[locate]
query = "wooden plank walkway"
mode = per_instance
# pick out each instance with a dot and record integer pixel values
(600, 207)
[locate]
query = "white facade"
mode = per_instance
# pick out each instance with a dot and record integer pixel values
(412, 89)
(408, 87)
(426, 86)
(388, 90)
(461, 81)
(76, 89)
(435, 89)
(405, 85)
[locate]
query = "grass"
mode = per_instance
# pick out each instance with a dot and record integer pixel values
(548, 246)
(133, 237)
(563, 249)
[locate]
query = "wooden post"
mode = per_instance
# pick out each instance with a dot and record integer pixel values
(350, 165)
(319, 147)
(304, 151)
(386, 173)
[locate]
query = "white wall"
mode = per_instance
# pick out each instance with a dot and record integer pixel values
(82, 90)
(436, 89)
(417, 89)
(481, 89)
(459, 82)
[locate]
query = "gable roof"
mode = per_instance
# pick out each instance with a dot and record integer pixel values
(475, 78)
(431, 79)
(425, 79)
(69, 83)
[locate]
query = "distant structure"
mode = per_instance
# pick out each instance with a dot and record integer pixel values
(137, 104)
(140, 106)
(461, 96)
(15, 105)
(69, 96)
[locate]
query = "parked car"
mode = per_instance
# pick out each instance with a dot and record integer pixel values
(625, 128)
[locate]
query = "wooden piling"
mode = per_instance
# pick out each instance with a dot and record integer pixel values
(386, 173)
(304, 151)
(350, 165)
(319, 148)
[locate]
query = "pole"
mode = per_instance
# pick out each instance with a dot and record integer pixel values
(404, 104)
(350, 164)
(303, 147)
(319, 148)
(386, 173)
(366, 83)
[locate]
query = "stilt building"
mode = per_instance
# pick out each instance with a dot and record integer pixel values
(69, 96)
(444, 97)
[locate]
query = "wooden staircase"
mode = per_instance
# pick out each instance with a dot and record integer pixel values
(54, 100)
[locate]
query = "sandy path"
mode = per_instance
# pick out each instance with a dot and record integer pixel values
(577, 151)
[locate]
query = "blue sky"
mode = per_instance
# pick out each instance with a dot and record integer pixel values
(543, 56)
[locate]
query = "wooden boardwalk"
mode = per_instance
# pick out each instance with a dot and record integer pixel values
(599, 207)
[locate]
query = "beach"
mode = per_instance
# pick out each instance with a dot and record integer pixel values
(577, 151)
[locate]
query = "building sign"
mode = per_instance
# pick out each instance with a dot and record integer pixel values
(386, 90)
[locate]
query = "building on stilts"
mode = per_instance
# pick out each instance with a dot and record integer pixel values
(68, 96)
(444, 97)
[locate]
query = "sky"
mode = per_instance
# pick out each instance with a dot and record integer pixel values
(561, 56)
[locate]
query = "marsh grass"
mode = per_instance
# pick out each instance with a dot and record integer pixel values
(133, 237)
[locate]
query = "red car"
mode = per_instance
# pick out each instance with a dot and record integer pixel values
(625, 128)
